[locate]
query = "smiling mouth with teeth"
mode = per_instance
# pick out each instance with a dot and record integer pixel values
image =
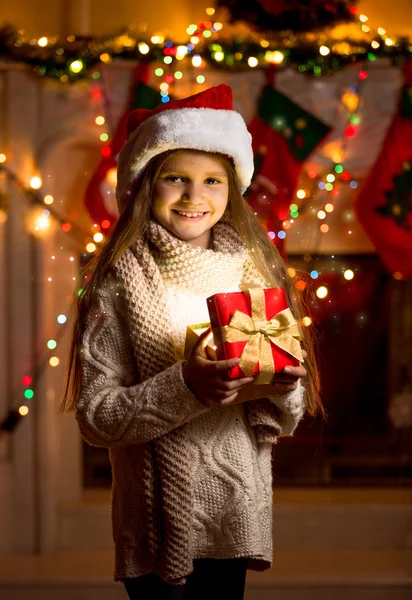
(190, 215)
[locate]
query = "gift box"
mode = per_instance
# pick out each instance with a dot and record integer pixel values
(258, 327)
(193, 332)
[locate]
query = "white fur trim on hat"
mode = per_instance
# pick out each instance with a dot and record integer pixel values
(207, 129)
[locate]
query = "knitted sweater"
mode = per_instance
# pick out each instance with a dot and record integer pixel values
(226, 492)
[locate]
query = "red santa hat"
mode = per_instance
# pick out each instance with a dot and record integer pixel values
(205, 121)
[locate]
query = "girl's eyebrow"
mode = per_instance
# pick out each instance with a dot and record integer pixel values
(170, 171)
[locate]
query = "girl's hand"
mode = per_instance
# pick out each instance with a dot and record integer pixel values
(283, 382)
(209, 379)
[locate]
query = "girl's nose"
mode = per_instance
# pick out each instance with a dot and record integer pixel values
(192, 193)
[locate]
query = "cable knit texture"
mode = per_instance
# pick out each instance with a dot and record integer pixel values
(190, 479)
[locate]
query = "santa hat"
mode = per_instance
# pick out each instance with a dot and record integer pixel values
(205, 121)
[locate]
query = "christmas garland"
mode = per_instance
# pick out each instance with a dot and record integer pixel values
(77, 57)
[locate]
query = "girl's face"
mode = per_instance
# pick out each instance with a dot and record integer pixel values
(191, 195)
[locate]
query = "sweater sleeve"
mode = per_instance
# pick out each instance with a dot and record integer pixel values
(290, 409)
(114, 408)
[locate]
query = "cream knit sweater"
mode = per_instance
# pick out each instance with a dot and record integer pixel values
(230, 468)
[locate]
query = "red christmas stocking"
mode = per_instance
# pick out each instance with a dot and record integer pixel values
(284, 135)
(384, 206)
(141, 96)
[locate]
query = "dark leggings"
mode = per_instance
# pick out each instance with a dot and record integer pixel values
(212, 579)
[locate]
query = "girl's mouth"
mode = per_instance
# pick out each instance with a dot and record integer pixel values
(192, 216)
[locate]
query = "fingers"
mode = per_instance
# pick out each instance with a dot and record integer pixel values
(202, 342)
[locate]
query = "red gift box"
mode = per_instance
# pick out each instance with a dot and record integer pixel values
(276, 321)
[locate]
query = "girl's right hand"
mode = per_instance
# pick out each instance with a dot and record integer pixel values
(209, 379)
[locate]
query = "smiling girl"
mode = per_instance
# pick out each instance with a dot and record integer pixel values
(190, 448)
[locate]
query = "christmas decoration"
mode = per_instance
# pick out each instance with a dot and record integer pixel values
(141, 96)
(75, 57)
(296, 15)
(384, 206)
(283, 135)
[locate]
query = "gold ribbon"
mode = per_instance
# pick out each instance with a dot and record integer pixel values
(282, 330)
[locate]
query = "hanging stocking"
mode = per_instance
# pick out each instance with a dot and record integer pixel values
(284, 135)
(141, 96)
(384, 206)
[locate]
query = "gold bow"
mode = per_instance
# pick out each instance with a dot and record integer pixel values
(282, 330)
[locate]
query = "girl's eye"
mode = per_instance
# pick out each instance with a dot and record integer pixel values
(212, 181)
(174, 178)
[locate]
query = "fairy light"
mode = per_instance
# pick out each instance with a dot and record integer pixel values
(291, 272)
(143, 48)
(349, 274)
(389, 42)
(35, 182)
(42, 42)
(329, 207)
(29, 394)
(104, 137)
(168, 60)
(217, 26)
(363, 18)
(23, 410)
(253, 61)
(195, 39)
(218, 56)
(98, 237)
(51, 344)
(381, 31)
(301, 194)
(322, 292)
(48, 199)
(3, 158)
(54, 361)
(197, 60)
(210, 11)
(61, 319)
(306, 321)
(324, 50)
(181, 52)
(191, 29)
(324, 228)
(200, 79)
(100, 120)
(90, 248)
(76, 66)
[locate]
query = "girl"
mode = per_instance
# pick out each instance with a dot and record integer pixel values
(190, 448)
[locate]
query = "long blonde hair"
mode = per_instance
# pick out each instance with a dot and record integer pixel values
(131, 226)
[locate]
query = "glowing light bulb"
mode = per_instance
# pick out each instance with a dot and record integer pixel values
(321, 214)
(375, 45)
(291, 272)
(349, 274)
(324, 228)
(111, 176)
(389, 42)
(307, 321)
(217, 26)
(61, 319)
(36, 182)
(322, 291)
(51, 344)
(324, 50)
(381, 31)
(90, 248)
(48, 199)
(181, 52)
(76, 66)
(23, 410)
(42, 42)
(200, 79)
(253, 61)
(218, 56)
(143, 48)
(197, 60)
(210, 11)
(54, 361)
(301, 194)
(3, 158)
(100, 120)
(329, 207)
(98, 237)
(363, 18)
